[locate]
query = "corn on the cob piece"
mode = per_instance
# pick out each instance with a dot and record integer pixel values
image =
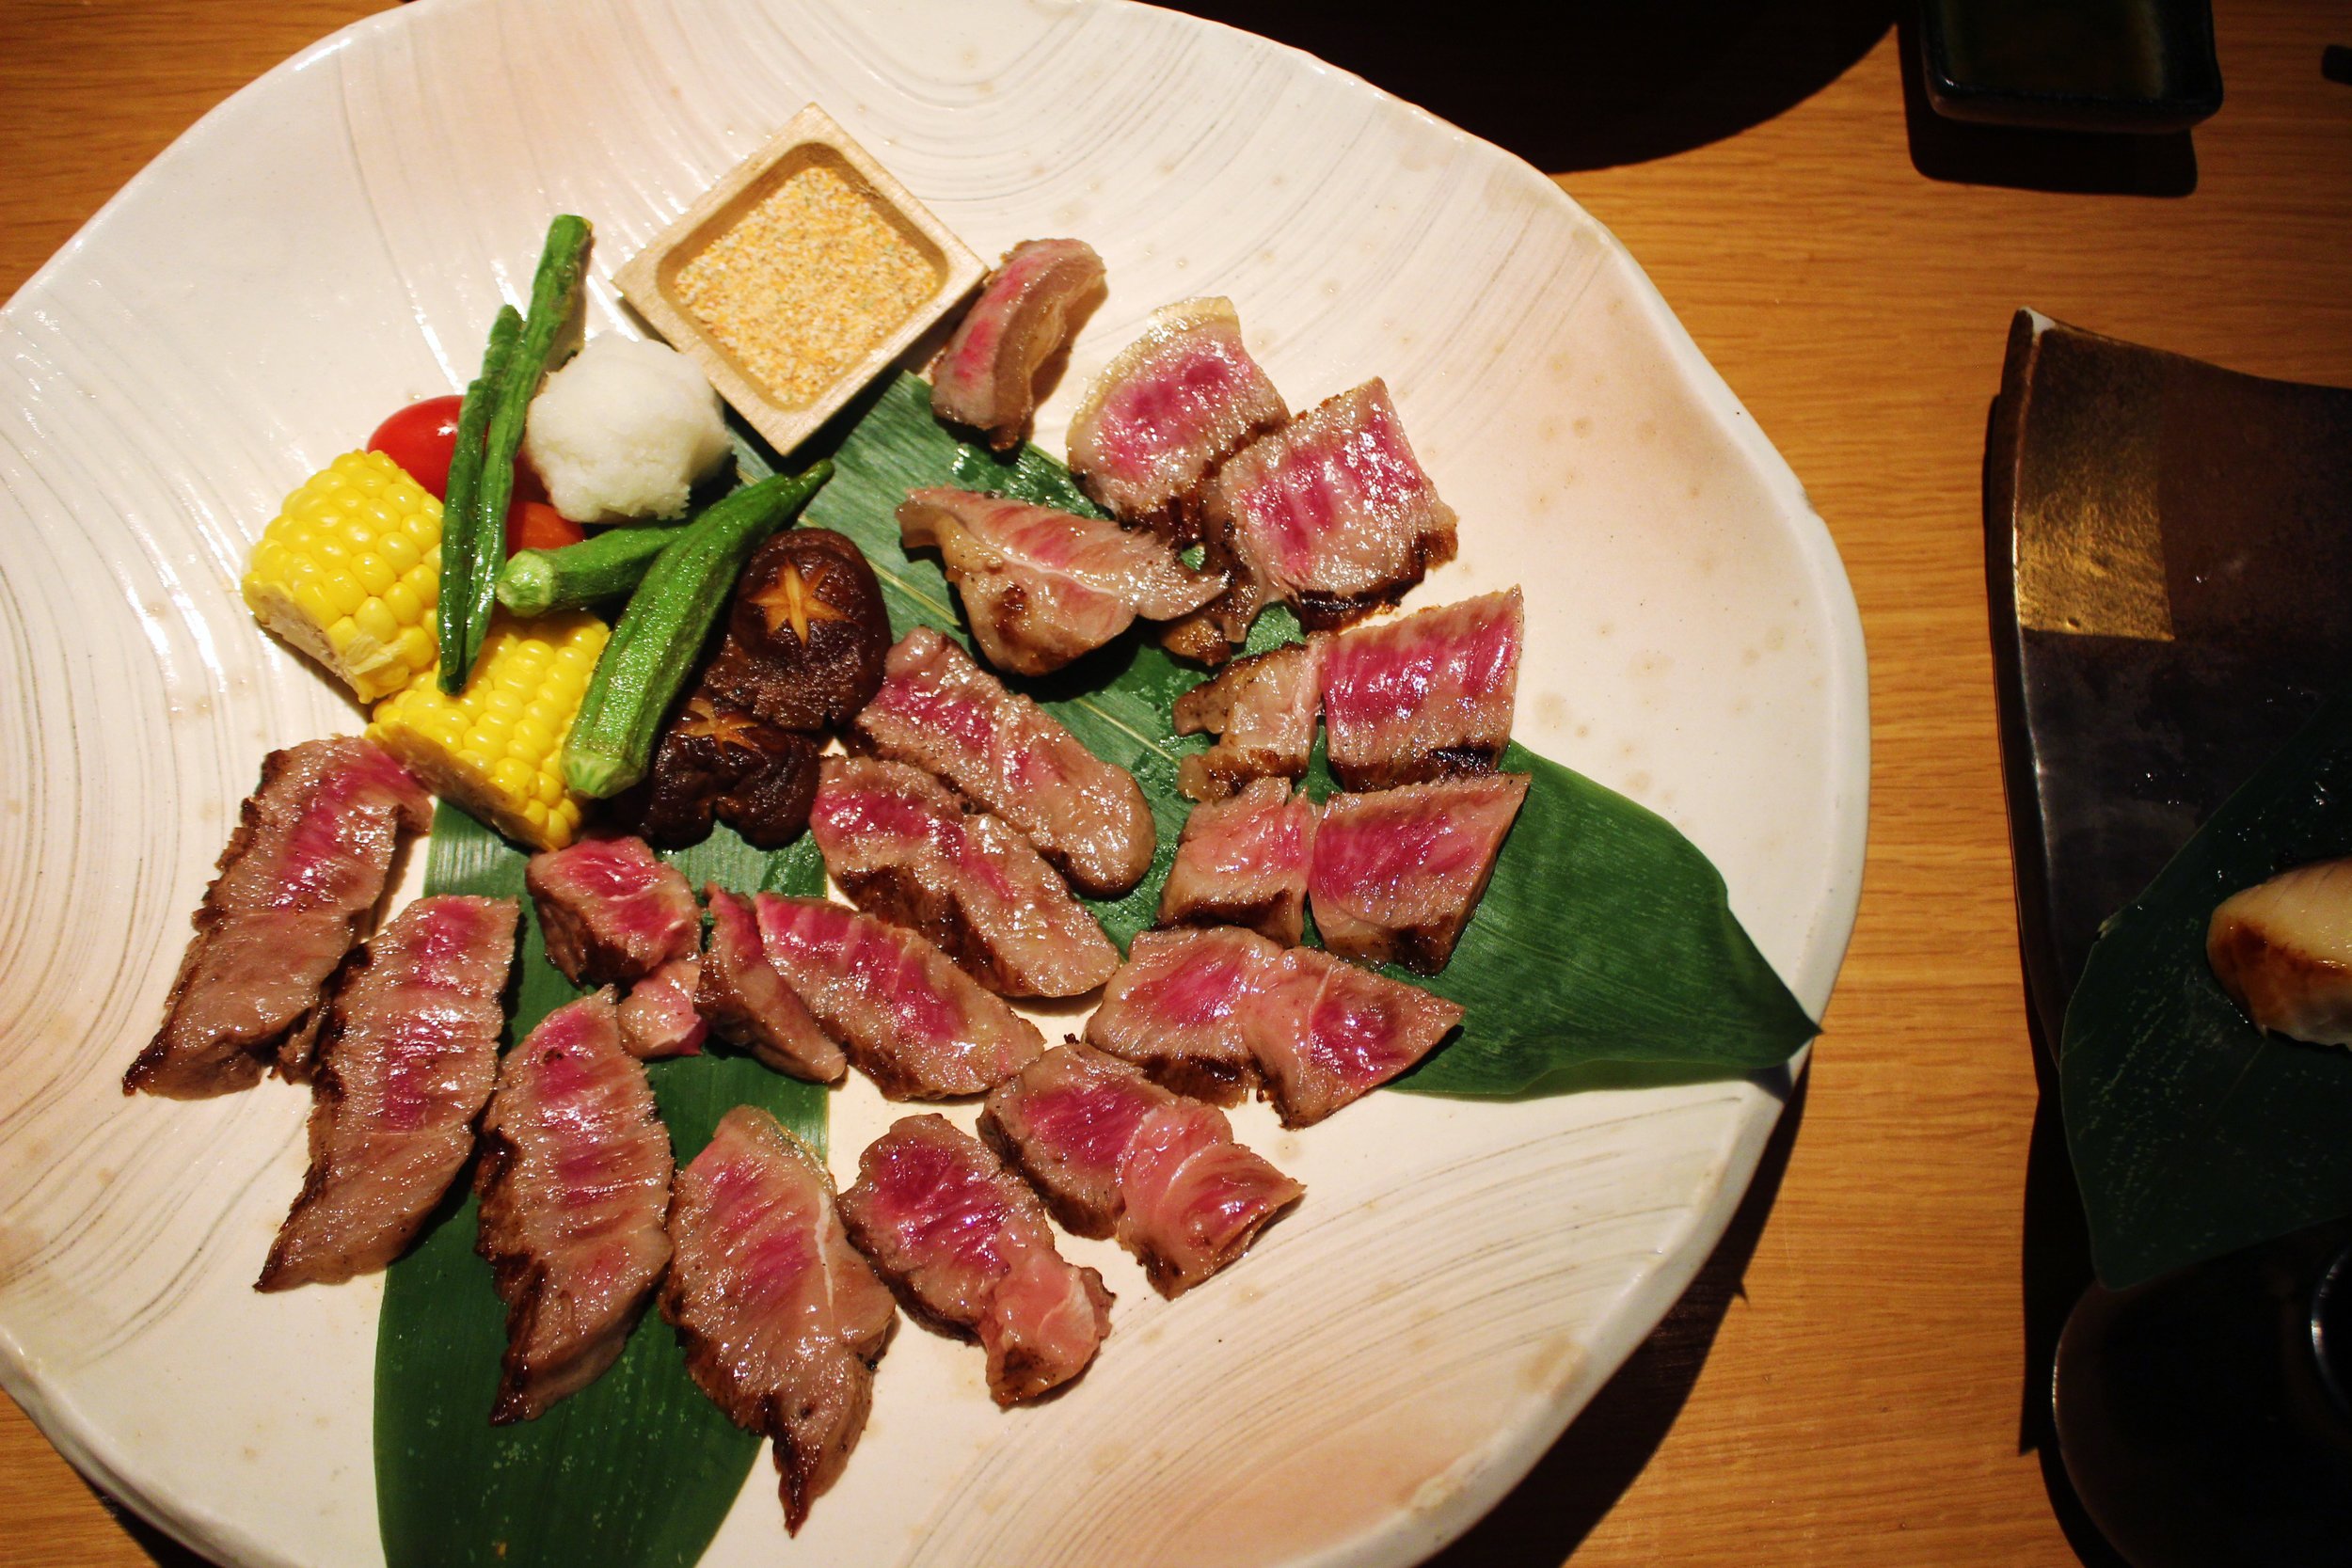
(496, 748)
(348, 572)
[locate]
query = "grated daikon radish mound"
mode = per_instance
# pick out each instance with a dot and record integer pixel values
(2283, 949)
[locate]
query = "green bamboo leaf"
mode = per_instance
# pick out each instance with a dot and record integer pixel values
(1604, 955)
(1605, 952)
(2194, 1134)
(637, 1468)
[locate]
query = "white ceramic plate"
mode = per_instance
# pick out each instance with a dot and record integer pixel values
(328, 245)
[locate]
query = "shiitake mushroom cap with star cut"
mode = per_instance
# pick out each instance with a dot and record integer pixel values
(806, 636)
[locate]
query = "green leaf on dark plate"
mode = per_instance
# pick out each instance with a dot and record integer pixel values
(639, 1468)
(2193, 1133)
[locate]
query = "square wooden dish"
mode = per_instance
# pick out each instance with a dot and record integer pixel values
(812, 140)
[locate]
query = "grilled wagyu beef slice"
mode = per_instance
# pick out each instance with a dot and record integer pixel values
(1330, 1033)
(299, 879)
(1171, 406)
(747, 1005)
(1041, 587)
(1424, 696)
(1333, 512)
(574, 1180)
(658, 1018)
(1176, 1009)
(901, 846)
(909, 1018)
(942, 713)
(1243, 861)
(1114, 1154)
(986, 378)
(969, 1246)
(406, 1055)
(1205, 1011)
(1397, 873)
(612, 913)
(781, 1319)
(1262, 711)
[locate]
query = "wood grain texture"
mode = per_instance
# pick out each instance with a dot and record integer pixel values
(1859, 1403)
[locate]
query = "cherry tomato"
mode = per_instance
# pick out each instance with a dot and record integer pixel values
(421, 438)
(537, 526)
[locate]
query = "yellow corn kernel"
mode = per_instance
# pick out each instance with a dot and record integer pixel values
(479, 751)
(348, 572)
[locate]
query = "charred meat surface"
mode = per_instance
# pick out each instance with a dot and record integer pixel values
(1262, 711)
(722, 762)
(299, 879)
(909, 1018)
(1244, 862)
(406, 1056)
(575, 1187)
(1424, 696)
(963, 1240)
(611, 911)
(942, 713)
(986, 378)
(1112, 1153)
(1041, 587)
(806, 635)
(1178, 1008)
(1333, 512)
(1208, 1010)
(901, 846)
(749, 1005)
(781, 1319)
(660, 1019)
(1397, 873)
(1164, 413)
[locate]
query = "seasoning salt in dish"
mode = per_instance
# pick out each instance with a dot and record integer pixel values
(798, 276)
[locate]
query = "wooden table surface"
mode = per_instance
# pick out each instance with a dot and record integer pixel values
(1845, 1384)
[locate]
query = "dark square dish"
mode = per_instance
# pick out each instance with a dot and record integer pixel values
(2071, 65)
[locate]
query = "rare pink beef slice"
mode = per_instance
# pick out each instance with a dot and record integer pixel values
(969, 1245)
(1041, 587)
(1398, 872)
(986, 378)
(910, 1020)
(1208, 1010)
(575, 1187)
(1424, 696)
(1333, 512)
(612, 912)
(1262, 711)
(1171, 408)
(781, 1319)
(1112, 1153)
(1326, 1033)
(942, 713)
(1179, 1008)
(406, 1055)
(1243, 861)
(660, 1019)
(901, 846)
(299, 879)
(749, 1005)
